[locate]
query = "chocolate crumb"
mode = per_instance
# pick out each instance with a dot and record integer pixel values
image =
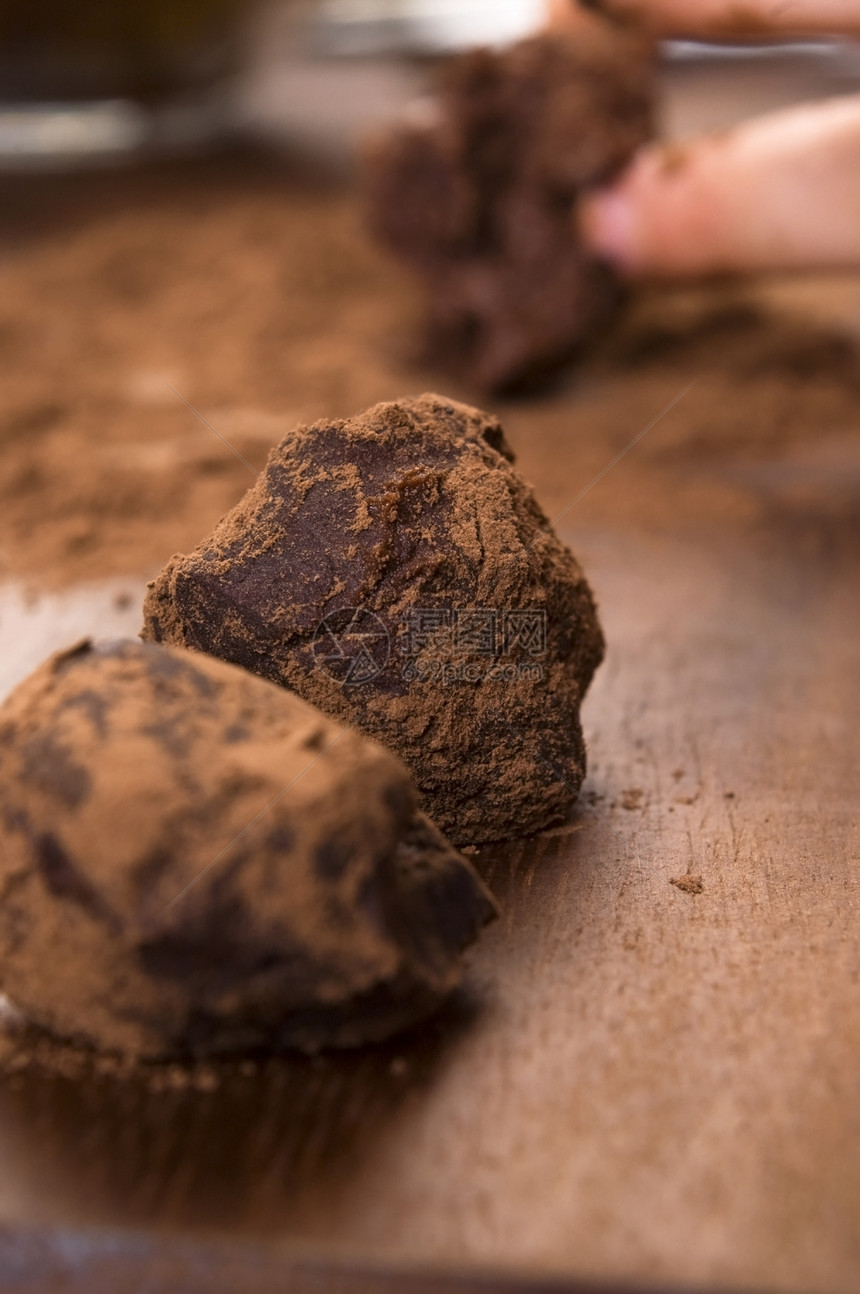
(688, 883)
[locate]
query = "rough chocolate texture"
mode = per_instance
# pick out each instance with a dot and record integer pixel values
(395, 569)
(479, 196)
(195, 861)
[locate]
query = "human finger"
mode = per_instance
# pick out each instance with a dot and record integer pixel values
(725, 20)
(781, 191)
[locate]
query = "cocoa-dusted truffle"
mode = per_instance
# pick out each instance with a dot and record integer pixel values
(396, 570)
(193, 861)
(478, 194)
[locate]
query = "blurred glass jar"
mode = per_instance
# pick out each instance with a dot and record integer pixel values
(85, 49)
(82, 80)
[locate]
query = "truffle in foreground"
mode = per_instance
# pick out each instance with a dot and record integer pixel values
(396, 570)
(193, 861)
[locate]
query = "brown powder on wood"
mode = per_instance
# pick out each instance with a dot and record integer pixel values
(688, 883)
(254, 291)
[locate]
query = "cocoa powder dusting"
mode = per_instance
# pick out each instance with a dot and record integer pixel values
(395, 569)
(195, 862)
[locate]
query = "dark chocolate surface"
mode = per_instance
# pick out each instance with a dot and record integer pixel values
(395, 570)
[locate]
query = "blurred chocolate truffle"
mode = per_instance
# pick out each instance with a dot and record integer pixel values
(395, 570)
(194, 861)
(478, 192)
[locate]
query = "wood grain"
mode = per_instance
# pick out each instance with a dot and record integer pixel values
(637, 1082)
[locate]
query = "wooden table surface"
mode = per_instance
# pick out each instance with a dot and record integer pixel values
(638, 1083)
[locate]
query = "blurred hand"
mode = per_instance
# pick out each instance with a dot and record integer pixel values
(724, 19)
(782, 191)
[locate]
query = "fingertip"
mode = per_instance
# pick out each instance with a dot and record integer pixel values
(663, 216)
(608, 227)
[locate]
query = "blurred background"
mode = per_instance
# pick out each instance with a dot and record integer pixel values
(99, 81)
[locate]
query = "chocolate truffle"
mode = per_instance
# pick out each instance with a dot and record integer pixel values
(395, 570)
(194, 861)
(478, 194)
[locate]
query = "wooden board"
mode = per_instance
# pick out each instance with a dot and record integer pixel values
(638, 1084)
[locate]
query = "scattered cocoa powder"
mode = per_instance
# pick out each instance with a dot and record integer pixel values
(688, 883)
(396, 570)
(254, 291)
(247, 286)
(194, 861)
